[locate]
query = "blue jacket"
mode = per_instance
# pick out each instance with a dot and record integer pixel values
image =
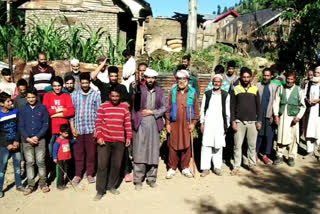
(34, 122)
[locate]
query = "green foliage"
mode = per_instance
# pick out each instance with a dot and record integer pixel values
(240, 62)
(58, 43)
(164, 64)
(115, 51)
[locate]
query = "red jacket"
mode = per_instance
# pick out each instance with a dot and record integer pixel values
(61, 149)
(52, 102)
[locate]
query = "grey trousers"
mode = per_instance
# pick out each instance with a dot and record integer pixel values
(143, 171)
(35, 155)
(248, 130)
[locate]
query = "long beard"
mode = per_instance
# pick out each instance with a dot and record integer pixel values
(316, 79)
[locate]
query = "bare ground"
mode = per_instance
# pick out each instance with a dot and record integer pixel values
(280, 189)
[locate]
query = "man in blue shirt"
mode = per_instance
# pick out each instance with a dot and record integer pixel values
(33, 126)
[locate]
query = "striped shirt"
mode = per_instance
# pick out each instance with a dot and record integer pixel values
(113, 122)
(86, 107)
(40, 78)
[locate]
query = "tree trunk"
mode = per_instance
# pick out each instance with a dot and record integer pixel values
(192, 26)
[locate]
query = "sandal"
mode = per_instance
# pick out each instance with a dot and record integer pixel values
(28, 190)
(45, 189)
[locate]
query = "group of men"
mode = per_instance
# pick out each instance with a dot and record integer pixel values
(119, 125)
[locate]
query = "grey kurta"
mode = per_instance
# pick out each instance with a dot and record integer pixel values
(146, 146)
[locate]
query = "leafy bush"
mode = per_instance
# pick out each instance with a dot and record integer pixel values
(58, 43)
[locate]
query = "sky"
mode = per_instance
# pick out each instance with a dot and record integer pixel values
(167, 7)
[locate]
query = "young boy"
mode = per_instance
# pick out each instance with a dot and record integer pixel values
(62, 155)
(33, 126)
(9, 141)
(7, 84)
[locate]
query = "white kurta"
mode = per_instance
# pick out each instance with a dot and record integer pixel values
(287, 134)
(213, 135)
(103, 76)
(129, 68)
(313, 126)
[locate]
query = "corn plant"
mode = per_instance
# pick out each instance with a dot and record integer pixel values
(115, 51)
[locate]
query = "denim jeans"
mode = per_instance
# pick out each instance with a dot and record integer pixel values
(35, 155)
(51, 143)
(5, 154)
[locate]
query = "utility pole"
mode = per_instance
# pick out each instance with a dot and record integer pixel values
(192, 26)
(10, 54)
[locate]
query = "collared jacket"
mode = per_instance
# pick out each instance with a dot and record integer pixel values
(33, 121)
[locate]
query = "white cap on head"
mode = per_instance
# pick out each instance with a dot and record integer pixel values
(74, 62)
(182, 74)
(150, 73)
(218, 76)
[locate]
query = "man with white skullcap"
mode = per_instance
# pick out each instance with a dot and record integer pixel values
(215, 120)
(181, 118)
(147, 123)
(75, 71)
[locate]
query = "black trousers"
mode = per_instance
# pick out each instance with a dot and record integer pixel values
(109, 165)
(62, 168)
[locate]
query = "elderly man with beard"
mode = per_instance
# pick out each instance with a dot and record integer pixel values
(179, 125)
(86, 103)
(313, 115)
(214, 119)
(267, 93)
(75, 72)
(41, 75)
(148, 123)
(246, 120)
(288, 107)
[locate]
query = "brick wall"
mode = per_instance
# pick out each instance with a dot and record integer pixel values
(108, 21)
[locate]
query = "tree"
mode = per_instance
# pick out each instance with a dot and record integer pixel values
(192, 26)
(225, 9)
(219, 9)
(214, 12)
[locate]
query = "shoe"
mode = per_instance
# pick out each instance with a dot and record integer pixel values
(28, 190)
(235, 172)
(20, 189)
(114, 191)
(76, 180)
(205, 173)
(138, 187)
(186, 172)
(291, 162)
(218, 172)
(62, 188)
(171, 172)
(266, 160)
(255, 170)
(98, 197)
(128, 178)
(45, 189)
(1, 194)
(91, 179)
(278, 160)
(152, 184)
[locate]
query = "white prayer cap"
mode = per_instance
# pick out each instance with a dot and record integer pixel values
(74, 62)
(218, 76)
(182, 74)
(150, 73)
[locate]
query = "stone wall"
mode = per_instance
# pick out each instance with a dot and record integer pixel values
(158, 31)
(108, 21)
